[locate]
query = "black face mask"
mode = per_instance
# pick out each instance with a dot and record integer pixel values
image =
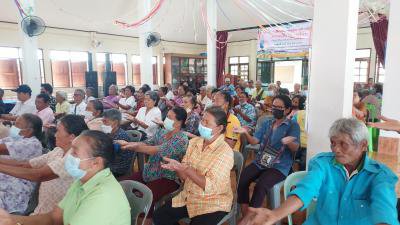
(278, 113)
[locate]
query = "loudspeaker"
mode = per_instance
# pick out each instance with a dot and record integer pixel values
(109, 78)
(91, 81)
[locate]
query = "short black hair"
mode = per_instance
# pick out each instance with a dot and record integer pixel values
(227, 97)
(164, 90)
(101, 145)
(180, 114)
(47, 87)
(185, 88)
(45, 97)
(285, 99)
(35, 123)
(113, 114)
(219, 115)
(74, 124)
(153, 96)
(302, 101)
(284, 91)
(145, 88)
(131, 88)
(97, 105)
(245, 93)
(378, 88)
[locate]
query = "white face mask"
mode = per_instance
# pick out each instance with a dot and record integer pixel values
(88, 115)
(106, 129)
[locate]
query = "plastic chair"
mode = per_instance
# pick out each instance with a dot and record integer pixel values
(291, 181)
(231, 216)
(372, 112)
(139, 197)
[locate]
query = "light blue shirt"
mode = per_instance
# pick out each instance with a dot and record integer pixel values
(368, 197)
(229, 88)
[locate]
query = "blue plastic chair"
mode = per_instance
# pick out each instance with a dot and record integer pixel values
(290, 182)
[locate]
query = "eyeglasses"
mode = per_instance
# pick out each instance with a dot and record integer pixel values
(277, 107)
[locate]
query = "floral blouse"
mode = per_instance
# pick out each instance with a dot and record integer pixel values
(174, 148)
(192, 123)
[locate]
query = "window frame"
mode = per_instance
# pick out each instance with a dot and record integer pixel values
(239, 65)
(357, 62)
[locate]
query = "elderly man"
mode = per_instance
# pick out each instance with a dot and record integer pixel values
(79, 106)
(258, 93)
(25, 103)
(350, 187)
(296, 91)
(44, 111)
(94, 198)
(204, 97)
(111, 126)
(228, 87)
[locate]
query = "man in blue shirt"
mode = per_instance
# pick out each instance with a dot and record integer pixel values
(350, 188)
(245, 112)
(228, 87)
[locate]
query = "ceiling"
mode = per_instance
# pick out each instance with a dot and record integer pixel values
(177, 20)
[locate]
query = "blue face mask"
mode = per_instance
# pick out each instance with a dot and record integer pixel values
(205, 132)
(168, 124)
(14, 132)
(71, 165)
(270, 93)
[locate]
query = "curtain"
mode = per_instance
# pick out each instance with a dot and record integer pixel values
(379, 35)
(222, 37)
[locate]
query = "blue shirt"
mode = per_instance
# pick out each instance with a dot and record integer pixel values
(265, 134)
(368, 197)
(249, 111)
(229, 88)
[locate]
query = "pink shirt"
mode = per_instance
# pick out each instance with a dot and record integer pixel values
(46, 115)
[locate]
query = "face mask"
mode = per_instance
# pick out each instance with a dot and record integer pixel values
(205, 132)
(106, 129)
(188, 110)
(270, 93)
(168, 124)
(14, 132)
(71, 165)
(278, 113)
(88, 115)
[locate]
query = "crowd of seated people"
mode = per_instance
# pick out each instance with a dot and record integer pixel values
(189, 139)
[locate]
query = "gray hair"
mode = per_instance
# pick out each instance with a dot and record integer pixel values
(113, 114)
(62, 94)
(356, 130)
(153, 96)
(81, 92)
(114, 86)
(209, 89)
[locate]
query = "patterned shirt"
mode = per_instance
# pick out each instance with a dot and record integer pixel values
(53, 191)
(192, 123)
(215, 163)
(52, 103)
(249, 111)
(122, 159)
(173, 148)
(15, 192)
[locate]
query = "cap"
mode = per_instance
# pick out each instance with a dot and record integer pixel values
(23, 89)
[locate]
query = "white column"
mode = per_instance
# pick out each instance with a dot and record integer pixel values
(211, 43)
(30, 63)
(390, 100)
(146, 69)
(253, 61)
(332, 59)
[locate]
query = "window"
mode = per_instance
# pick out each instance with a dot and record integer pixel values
(118, 65)
(380, 71)
(68, 68)
(136, 69)
(239, 66)
(10, 67)
(361, 67)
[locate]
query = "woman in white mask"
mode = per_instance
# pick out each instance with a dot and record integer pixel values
(93, 114)
(23, 143)
(205, 170)
(122, 161)
(169, 142)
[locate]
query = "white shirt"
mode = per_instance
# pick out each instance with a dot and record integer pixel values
(24, 107)
(148, 120)
(169, 95)
(88, 99)
(128, 102)
(78, 109)
(205, 101)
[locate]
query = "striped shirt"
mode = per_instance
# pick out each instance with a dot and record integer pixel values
(215, 163)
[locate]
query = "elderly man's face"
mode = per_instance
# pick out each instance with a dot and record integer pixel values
(346, 151)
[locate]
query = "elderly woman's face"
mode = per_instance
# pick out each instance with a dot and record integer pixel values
(346, 151)
(59, 98)
(112, 90)
(148, 102)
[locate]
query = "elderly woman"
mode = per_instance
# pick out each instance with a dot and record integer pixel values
(193, 118)
(79, 106)
(62, 106)
(122, 161)
(144, 120)
(23, 143)
(49, 168)
(170, 142)
(109, 101)
(129, 102)
(350, 187)
(93, 114)
(95, 197)
(279, 139)
(205, 170)
(204, 98)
